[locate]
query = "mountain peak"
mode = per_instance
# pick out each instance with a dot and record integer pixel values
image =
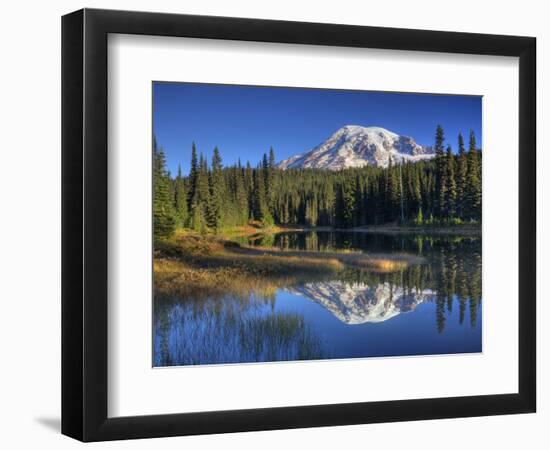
(354, 129)
(358, 146)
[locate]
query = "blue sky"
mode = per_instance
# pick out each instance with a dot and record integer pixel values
(244, 121)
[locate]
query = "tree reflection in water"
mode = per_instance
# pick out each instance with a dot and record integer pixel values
(253, 329)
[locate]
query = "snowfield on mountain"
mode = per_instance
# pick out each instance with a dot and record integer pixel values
(357, 146)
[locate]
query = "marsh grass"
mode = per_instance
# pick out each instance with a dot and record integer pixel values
(381, 262)
(194, 266)
(230, 332)
(178, 278)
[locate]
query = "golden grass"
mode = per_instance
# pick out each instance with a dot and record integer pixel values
(381, 265)
(191, 265)
(177, 278)
(384, 262)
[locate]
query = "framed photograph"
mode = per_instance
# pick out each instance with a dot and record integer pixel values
(273, 224)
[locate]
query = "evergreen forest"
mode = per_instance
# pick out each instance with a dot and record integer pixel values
(442, 191)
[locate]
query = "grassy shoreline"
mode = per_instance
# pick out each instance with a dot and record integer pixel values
(189, 265)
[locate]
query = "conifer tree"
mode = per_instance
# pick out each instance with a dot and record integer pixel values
(164, 221)
(346, 203)
(216, 186)
(193, 171)
(416, 189)
(249, 186)
(441, 170)
(203, 186)
(461, 177)
(473, 189)
(270, 179)
(360, 209)
(241, 198)
(311, 211)
(271, 158)
(472, 144)
(392, 193)
(180, 198)
(451, 192)
(267, 177)
(261, 211)
(200, 202)
(329, 204)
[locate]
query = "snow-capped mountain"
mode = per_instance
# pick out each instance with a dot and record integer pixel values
(359, 303)
(357, 146)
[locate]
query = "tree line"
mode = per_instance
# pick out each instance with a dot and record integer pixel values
(440, 191)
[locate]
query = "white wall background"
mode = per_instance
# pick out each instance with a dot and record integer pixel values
(30, 222)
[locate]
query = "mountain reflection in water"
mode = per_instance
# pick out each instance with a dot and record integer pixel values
(424, 309)
(360, 303)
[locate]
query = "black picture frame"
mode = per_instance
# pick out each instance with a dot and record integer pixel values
(84, 224)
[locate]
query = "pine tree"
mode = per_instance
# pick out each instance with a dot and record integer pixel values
(472, 144)
(329, 201)
(241, 198)
(346, 203)
(261, 210)
(193, 171)
(473, 189)
(271, 158)
(267, 177)
(416, 191)
(164, 221)
(249, 187)
(461, 177)
(198, 212)
(270, 195)
(451, 193)
(311, 211)
(441, 170)
(401, 193)
(393, 195)
(216, 187)
(203, 186)
(258, 194)
(360, 202)
(180, 199)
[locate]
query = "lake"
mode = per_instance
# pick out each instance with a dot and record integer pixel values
(423, 309)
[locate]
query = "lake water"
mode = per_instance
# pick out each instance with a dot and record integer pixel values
(424, 309)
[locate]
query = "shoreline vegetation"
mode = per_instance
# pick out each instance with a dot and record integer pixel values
(195, 266)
